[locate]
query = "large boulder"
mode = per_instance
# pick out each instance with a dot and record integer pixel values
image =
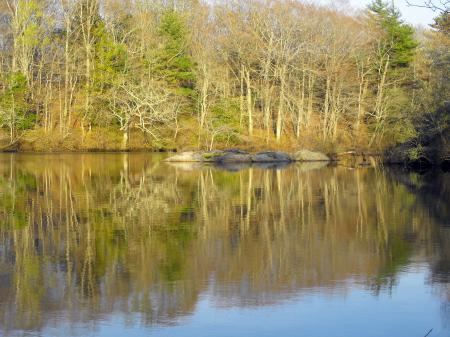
(306, 155)
(236, 151)
(270, 157)
(211, 156)
(216, 156)
(232, 157)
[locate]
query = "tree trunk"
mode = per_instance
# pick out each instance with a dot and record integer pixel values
(326, 107)
(280, 114)
(125, 139)
(249, 103)
(301, 107)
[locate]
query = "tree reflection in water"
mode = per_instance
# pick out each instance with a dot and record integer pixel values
(85, 235)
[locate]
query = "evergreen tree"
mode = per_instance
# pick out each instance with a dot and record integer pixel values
(173, 63)
(14, 107)
(109, 60)
(399, 39)
(442, 23)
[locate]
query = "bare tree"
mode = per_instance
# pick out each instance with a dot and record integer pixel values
(442, 6)
(143, 106)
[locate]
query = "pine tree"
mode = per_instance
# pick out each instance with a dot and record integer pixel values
(110, 60)
(442, 23)
(173, 62)
(398, 39)
(14, 106)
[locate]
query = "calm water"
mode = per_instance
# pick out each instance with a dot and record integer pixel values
(127, 245)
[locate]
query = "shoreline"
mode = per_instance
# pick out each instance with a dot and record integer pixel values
(382, 158)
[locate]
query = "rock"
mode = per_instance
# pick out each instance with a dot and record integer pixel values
(232, 157)
(189, 156)
(211, 156)
(236, 151)
(270, 157)
(306, 155)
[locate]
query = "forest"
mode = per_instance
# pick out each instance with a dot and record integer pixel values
(179, 74)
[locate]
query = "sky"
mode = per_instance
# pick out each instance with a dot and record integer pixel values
(412, 15)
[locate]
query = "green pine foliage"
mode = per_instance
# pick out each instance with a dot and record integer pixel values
(110, 60)
(173, 63)
(14, 107)
(442, 23)
(399, 39)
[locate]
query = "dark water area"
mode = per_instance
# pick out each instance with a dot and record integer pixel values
(127, 245)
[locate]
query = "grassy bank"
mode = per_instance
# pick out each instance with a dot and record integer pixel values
(107, 139)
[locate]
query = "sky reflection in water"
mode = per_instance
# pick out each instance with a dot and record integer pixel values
(124, 244)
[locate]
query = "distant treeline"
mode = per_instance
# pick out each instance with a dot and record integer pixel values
(123, 74)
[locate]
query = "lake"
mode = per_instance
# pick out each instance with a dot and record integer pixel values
(128, 245)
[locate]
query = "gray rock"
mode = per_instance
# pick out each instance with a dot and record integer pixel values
(211, 156)
(232, 157)
(237, 151)
(306, 155)
(271, 156)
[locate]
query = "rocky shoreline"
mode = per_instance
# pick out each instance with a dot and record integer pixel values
(233, 157)
(240, 156)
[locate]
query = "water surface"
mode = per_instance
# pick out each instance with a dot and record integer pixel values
(127, 245)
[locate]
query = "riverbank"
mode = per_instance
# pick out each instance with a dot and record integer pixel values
(351, 159)
(106, 140)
